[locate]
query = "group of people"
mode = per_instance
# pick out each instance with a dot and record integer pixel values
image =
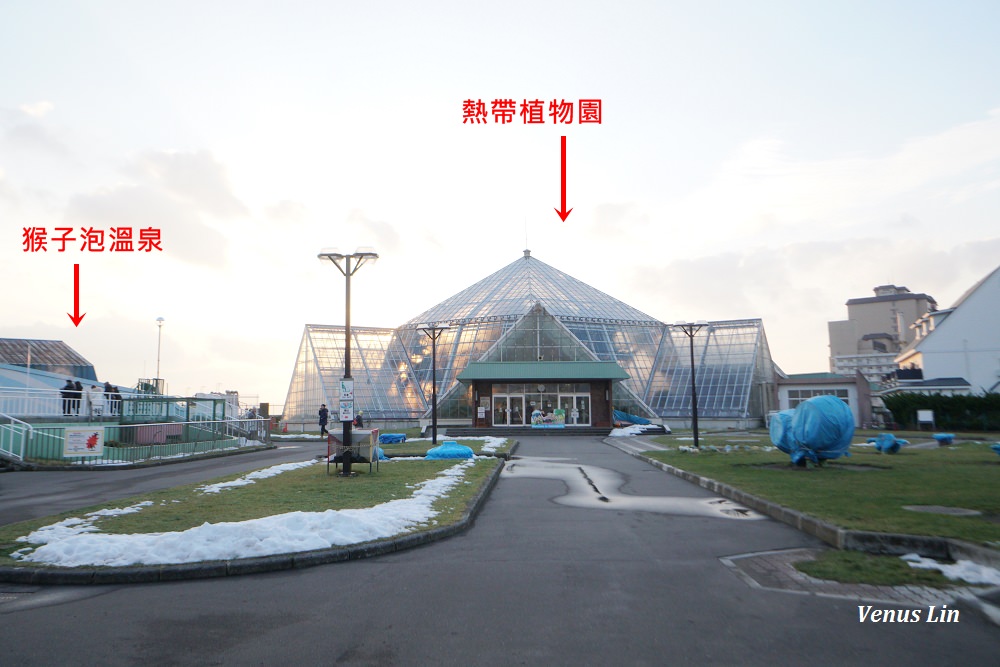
(92, 399)
(324, 418)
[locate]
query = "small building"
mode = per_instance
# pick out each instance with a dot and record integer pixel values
(854, 390)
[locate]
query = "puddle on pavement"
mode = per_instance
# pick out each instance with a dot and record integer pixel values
(597, 488)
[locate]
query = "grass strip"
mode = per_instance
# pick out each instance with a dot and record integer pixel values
(307, 489)
(866, 491)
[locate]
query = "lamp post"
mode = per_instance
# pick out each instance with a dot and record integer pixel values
(434, 332)
(690, 329)
(348, 265)
(159, 340)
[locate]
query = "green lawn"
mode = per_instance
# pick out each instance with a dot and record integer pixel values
(866, 491)
(307, 489)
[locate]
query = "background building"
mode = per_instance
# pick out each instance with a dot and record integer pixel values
(877, 328)
(956, 350)
(528, 326)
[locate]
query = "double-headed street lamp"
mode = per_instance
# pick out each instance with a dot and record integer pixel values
(690, 329)
(348, 265)
(434, 331)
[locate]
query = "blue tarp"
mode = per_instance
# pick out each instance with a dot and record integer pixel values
(449, 449)
(631, 419)
(781, 431)
(887, 443)
(996, 448)
(818, 429)
(390, 438)
(380, 455)
(944, 438)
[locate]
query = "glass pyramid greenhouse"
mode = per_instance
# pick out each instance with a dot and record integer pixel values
(529, 311)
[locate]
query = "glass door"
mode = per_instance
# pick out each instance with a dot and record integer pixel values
(499, 410)
(516, 410)
(582, 410)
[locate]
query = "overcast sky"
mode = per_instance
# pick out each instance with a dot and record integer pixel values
(754, 159)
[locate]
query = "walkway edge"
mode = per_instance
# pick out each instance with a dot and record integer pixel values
(207, 569)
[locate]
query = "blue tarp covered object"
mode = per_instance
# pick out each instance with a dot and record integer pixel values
(449, 449)
(781, 431)
(887, 443)
(820, 428)
(631, 419)
(380, 455)
(390, 438)
(944, 438)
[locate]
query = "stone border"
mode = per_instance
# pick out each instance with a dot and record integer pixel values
(206, 569)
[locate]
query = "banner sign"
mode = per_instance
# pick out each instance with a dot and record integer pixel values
(84, 442)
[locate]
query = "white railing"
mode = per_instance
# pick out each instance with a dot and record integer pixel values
(13, 435)
(50, 403)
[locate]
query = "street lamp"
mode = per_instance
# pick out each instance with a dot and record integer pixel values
(348, 265)
(690, 329)
(434, 332)
(159, 339)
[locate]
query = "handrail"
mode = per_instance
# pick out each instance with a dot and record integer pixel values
(7, 443)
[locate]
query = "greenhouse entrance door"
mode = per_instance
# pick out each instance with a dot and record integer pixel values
(509, 410)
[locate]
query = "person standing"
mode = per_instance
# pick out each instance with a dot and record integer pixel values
(97, 401)
(67, 393)
(77, 395)
(324, 416)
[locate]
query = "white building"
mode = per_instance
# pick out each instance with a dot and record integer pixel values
(962, 341)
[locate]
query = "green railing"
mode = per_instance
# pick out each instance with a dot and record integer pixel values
(137, 443)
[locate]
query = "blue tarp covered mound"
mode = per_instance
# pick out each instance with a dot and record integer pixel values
(819, 429)
(390, 438)
(887, 443)
(621, 417)
(380, 455)
(781, 431)
(944, 438)
(449, 449)
(996, 448)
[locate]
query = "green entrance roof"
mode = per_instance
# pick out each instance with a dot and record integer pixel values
(542, 370)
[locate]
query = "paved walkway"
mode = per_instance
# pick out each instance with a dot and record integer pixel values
(535, 581)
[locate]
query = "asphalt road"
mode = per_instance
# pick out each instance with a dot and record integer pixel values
(535, 581)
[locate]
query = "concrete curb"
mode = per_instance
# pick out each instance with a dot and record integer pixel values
(986, 603)
(157, 573)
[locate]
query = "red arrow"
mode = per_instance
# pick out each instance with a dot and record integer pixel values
(563, 213)
(76, 316)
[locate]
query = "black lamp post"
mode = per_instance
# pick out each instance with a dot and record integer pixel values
(434, 332)
(690, 329)
(360, 257)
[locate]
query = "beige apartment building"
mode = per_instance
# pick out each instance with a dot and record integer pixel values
(877, 328)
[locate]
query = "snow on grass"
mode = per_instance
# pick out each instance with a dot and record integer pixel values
(75, 543)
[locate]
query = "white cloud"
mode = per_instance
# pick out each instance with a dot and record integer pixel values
(184, 235)
(197, 178)
(37, 109)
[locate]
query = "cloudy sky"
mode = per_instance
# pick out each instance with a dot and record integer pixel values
(755, 159)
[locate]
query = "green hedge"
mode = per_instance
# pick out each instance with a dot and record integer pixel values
(954, 413)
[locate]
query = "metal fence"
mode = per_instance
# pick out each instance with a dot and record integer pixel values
(131, 443)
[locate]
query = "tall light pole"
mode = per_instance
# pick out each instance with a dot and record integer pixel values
(159, 340)
(690, 329)
(348, 265)
(434, 332)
